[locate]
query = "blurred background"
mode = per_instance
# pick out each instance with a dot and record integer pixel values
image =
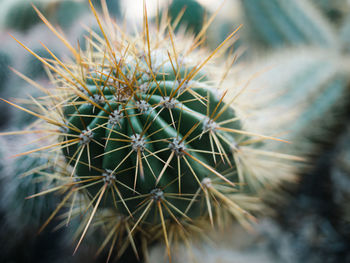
(295, 54)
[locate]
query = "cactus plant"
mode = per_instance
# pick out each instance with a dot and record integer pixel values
(335, 10)
(345, 34)
(151, 138)
(340, 178)
(21, 218)
(34, 68)
(5, 62)
(315, 84)
(67, 11)
(281, 22)
(21, 16)
(193, 16)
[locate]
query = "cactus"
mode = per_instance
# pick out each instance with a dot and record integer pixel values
(112, 5)
(151, 138)
(26, 180)
(5, 62)
(345, 34)
(192, 18)
(276, 23)
(335, 10)
(21, 16)
(21, 178)
(34, 68)
(340, 178)
(315, 84)
(21, 217)
(67, 11)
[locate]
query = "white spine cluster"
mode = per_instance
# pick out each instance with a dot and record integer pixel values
(138, 143)
(168, 102)
(177, 147)
(207, 183)
(115, 117)
(108, 177)
(209, 125)
(98, 99)
(144, 87)
(157, 194)
(86, 136)
(142, 105)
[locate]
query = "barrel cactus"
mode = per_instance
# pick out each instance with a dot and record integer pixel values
(150, 138)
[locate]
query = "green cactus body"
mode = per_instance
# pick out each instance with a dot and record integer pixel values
(282, 22)
(151, 118)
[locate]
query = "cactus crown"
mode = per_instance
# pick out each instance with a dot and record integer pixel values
(146, 134)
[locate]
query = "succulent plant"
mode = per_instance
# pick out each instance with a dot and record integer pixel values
(21, 217)
(26, 180)
(340, 178)
(193, 16)
(315, 85)
(335, 10)
(66, 12)
(147, 131)
(112, 5)
(5, 62)
(279, 23)
(20, 15)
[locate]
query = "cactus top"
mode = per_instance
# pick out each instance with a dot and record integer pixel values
(149, 125)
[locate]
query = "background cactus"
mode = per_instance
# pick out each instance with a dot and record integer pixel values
(21, 218)
(66, 12)
(34, 69)
(281, 22)
(193, 16)
(340, 178)
(19, 15)
(335, 10)
(5, 63)
(316, 86)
